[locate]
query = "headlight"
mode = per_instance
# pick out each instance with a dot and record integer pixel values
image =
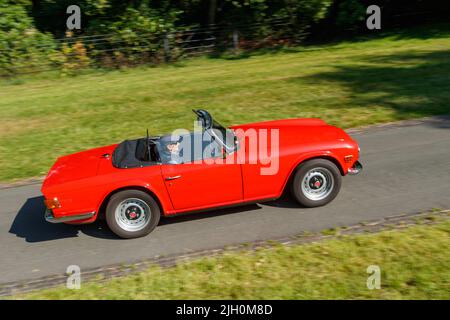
(52, 203)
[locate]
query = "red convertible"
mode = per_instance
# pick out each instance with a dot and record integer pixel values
(133, 183)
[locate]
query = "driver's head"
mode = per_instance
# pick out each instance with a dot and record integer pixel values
(173, 146)
(171, 143)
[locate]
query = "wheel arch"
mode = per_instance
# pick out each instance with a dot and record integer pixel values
(104, 203)
(294, 169)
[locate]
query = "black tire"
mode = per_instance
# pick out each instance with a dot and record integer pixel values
(148, 226)
(325, 170)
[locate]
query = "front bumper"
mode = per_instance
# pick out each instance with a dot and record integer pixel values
(356, 168)
(49, 217)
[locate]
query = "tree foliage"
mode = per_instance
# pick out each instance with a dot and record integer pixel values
(131, 31)
(21, 44)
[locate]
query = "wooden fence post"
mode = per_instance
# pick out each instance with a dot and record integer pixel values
(167, 54)
(235, 41)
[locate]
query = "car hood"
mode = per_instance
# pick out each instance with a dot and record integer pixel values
(76, 166)
(283, 123)
(299, 130)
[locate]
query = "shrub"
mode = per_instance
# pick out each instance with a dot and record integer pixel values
(135, 37)
(23, 48)
(74, 55)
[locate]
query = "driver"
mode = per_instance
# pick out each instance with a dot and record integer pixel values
(170, 146)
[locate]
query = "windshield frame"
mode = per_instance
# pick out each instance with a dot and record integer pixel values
(224, 130)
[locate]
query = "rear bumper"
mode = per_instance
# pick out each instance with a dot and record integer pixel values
(49, 217)
(356, 168)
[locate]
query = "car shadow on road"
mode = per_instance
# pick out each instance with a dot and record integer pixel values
(30, 224)
(207, 214)
(285, 201)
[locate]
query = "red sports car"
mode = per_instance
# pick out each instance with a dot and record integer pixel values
(133, 183)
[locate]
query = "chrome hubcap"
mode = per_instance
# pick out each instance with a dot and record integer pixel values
(132, 214)
(317, 184)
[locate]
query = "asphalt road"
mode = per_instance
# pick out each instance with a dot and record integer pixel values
(406, 170)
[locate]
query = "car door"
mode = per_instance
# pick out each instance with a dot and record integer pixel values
(196, 185)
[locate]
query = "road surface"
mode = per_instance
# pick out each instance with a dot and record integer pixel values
(406, 170)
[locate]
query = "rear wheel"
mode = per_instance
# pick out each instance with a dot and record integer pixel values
(132, 214)
(316, 183)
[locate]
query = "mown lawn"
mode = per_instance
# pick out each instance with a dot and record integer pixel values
(414, 264)
(348, 84)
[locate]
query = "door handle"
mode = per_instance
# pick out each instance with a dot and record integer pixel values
(172, 178)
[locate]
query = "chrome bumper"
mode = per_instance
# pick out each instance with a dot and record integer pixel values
(356, 168)
(49, 217)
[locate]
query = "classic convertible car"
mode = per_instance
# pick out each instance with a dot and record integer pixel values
(133, 183)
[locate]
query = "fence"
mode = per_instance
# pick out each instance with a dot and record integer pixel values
(115, 50)
(118, 50)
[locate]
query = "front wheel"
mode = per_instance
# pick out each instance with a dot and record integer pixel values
(316, 183)
(132, 214)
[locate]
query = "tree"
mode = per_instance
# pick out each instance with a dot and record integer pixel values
(22, 46)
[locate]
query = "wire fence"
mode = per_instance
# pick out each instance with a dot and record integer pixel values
(115, 50)
(125, 49)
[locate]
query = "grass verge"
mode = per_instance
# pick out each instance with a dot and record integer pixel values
(414, 264)
(394, 77)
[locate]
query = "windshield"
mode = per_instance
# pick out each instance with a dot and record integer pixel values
(174, 149)
(224, 135)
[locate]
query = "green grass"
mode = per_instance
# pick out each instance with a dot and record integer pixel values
(398, 76)
(414, 264)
